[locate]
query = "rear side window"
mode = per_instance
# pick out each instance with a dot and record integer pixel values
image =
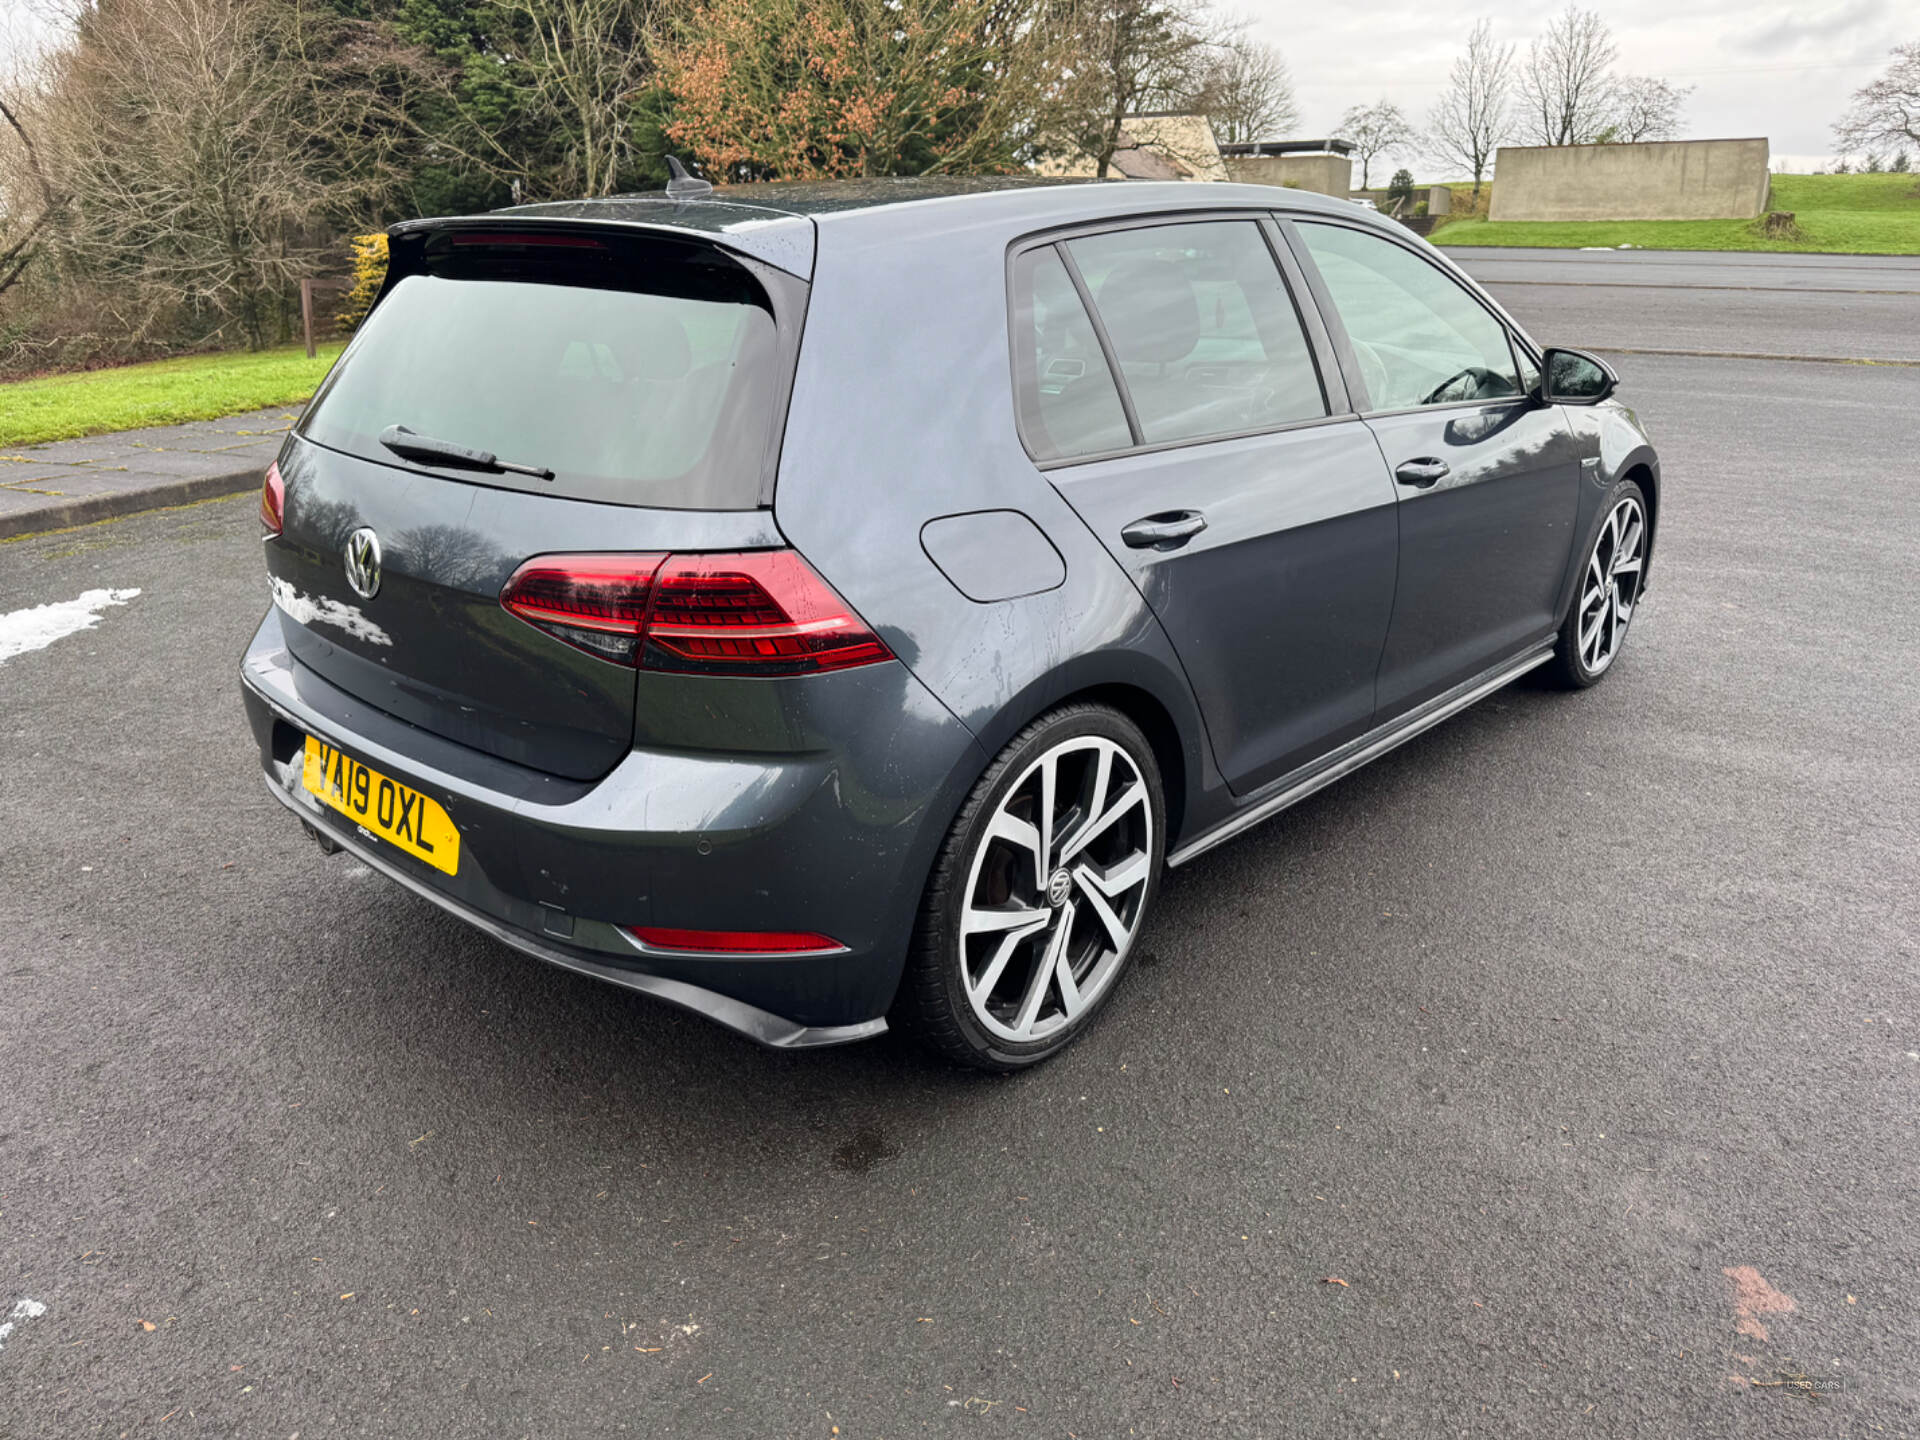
(642, 373)
(1207, 337)
(1068, 402)
(1419, 337)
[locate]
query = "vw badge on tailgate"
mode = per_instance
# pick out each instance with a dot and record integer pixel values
(363, 563)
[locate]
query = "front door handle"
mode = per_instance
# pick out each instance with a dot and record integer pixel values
(1164, 531)
(1422, 472)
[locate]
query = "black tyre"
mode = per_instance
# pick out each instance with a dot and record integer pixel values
(1039, 893)
(1608, 593)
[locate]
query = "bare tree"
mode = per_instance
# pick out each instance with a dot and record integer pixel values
(1374, 130)
(1566, 82)
(1246, 92)
(1472, 118)
(1886, 111)
(1644, 108)
(205, 148)
(1129, 56)
(22, 224)
(588, 60)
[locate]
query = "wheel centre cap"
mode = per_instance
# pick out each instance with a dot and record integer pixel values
(1059, 886)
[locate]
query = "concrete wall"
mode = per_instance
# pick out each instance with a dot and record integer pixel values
(1659, 180)
(1325, 174)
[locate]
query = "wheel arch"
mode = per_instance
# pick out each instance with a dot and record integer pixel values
(1134, 684)
(1144, 709)
(1644, 470)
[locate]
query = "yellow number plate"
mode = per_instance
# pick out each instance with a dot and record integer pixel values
(381, 806)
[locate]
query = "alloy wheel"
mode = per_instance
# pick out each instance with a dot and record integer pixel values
(1611, 586)
(1057, 889)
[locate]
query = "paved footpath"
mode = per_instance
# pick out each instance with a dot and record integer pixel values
(75, 482)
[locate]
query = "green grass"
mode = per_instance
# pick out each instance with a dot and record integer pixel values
(162, 392)
(1843, 214)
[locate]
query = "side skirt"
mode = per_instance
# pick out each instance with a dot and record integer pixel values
(1291, 789)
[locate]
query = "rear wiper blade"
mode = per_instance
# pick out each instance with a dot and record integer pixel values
(404, 443)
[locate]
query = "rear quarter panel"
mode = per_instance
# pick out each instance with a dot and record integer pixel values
(903, 412)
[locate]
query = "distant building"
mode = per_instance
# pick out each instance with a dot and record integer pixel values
(1322, 166)
(1154, 146)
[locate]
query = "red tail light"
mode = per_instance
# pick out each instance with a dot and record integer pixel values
(735, 942)
(273, 501)
(596, 603)
(760, 612)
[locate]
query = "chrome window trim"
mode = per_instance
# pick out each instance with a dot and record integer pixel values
(1188, 444)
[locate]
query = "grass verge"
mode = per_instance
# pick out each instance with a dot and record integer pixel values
(1836, 214)
(161, 392)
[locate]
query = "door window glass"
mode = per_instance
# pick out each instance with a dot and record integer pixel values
(1068, 402)
(1207, 337)
(1419, 337)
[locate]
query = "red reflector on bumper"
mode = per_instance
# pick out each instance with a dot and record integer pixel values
(734, 942)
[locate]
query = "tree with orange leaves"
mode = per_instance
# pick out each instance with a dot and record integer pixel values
(805, 89)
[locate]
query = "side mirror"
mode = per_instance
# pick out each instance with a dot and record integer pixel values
(1573, 377)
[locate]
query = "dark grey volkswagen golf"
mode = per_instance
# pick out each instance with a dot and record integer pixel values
(828, 607)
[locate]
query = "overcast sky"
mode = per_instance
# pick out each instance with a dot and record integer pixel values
(1776, 68)
(1758, 67)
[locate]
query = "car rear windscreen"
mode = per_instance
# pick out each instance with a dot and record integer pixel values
(640, 372)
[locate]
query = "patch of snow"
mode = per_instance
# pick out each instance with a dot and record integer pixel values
(39, 626)
(318, 610)
(23, 1310)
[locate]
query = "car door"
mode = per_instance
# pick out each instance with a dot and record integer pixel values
(1487, 476)
(1185, 407)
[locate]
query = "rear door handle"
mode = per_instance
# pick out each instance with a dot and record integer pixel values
(1422, 472)
(1164, 531)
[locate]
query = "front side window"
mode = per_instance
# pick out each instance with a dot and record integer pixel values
(1206, 335)
(1419, 337)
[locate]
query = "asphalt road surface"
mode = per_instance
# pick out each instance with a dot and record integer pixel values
(1557, 1075)
(1854, 306)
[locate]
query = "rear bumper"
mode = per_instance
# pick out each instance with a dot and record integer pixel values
(749, 1020)
(835, 840)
